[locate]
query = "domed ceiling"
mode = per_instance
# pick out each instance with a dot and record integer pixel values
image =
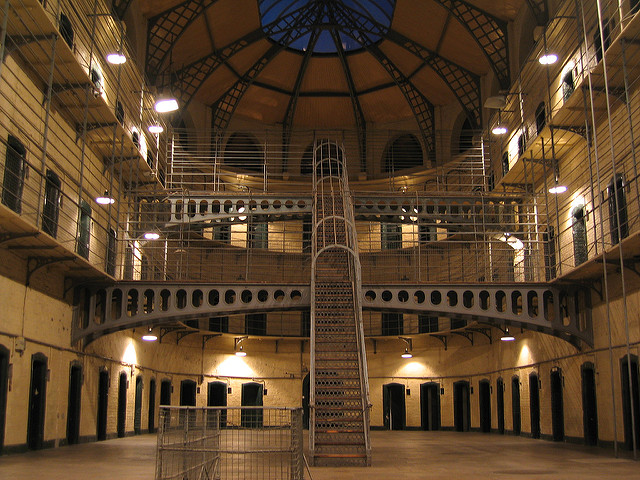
(329, 63)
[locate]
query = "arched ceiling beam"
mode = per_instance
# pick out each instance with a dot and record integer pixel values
(227, 104)
(489, 32)
(287, 122)
(188, 80)
(464, 84)
(361, 125)
(164, 29)
(422, 109)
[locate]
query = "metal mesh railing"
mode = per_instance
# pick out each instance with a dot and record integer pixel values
(207, 443)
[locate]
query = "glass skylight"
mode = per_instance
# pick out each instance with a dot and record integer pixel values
(321, 24)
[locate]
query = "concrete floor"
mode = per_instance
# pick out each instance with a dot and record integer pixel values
(402, 455)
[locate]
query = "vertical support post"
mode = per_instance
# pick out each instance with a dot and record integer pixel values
(47, 117)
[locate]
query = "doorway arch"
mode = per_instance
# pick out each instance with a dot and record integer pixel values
(430, 406)
(37, 402)
(393, 406)
(461, 406)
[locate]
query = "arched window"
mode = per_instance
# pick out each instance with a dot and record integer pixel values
(244, 151)
(404, 152)
(465, 140)
(541, 117)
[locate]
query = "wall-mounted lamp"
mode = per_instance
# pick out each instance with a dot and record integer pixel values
(166, 105)
(506, 336)
(156, 129)
(149, 336)
(558, 189)
(116, 58)
(409, 342)
(548, 59)
(238, 348)
(151, 236)
(105, 199)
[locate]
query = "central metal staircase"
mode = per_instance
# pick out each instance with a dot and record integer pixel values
(339, 426)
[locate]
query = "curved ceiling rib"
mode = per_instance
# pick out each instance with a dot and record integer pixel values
(490, 33)
(463, 83)
(287, 122)
(165, 29)
(226, 105)
(361, 124)
(188, 80)
(422, 109)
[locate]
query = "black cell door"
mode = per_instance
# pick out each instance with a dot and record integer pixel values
(14, 170)
(515, 405)
(165, 392)
(630, 399)
(152, 406)
(73, 408)
(251, 397)
(137, 407)
(500, 404)
(589, 404)
(187, 393)
(122, 405)
(306, 393)
(484, 388)
(534, 405)
(461, 407)
(217, 397)
(393, 406)
(51, 207)
(430, 406)
(4, 387)
(103, 402)
(37, 402)
(557, 407)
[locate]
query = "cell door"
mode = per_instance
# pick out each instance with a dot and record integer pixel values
(251, 397)
(461, 406)
(14, 171)
(306, 393)
(557, 407)
(73, 408)
(152, 406)
(500, 404)
(515, 406)
(188, 393)
(217, 397)
(4, 387)
(37, 402)
(589, 404)
(393, 406)
(122, 405)
(534, 405)
(630, 399)
(165, 392)
(51, 207)
(484, 388)
(103, 401)
(430, 406)
(137, 407)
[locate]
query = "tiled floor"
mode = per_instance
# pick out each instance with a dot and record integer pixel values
(396, 455)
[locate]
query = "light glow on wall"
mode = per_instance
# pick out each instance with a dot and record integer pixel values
(130, 356)
(233, 366)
